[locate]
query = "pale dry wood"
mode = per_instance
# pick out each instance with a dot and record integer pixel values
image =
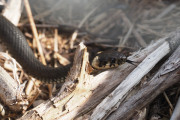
(56, 49)
(2, 110)
(135, 32)
(13, 11)
(168, 74)
(98, 19)
(11, 92)
(75, 34)
(86, 17)
(89, 91)
(53, 108)
(166, 11)
(126, 37)
(34, 30)
(106, 22)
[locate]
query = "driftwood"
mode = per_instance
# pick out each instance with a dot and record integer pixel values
(86, 100)
(11, 92)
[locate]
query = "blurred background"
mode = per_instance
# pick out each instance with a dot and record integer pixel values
(133, 24)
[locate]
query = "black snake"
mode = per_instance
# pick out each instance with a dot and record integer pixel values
(18, 47)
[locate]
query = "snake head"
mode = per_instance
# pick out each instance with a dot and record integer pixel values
(108, 59)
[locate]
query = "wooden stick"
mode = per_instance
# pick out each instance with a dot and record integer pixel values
(166, 11)
(45, 13)
(34, 30)
(126, 37)
(169, 102)
(136, 34)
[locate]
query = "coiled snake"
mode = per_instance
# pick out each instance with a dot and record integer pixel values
(18, 47)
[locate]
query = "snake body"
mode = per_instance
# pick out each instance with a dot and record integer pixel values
(16, 43)
(18, 47)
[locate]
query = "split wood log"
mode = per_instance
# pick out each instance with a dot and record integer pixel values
(11, 92)
(90, 90)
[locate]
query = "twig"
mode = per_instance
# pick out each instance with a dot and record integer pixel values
(106, 22)
(166, 11)
(74, 35)
(55, 46)
(149, 30)
(86, 17)
(45, 13)
(126, 36)
(34, 30)
(169, 102)
(136, 34)
(73, 38)
(98, 18)
(62, 59)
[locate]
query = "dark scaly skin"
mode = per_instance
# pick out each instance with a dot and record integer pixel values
(109, 59)
(18, 47)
